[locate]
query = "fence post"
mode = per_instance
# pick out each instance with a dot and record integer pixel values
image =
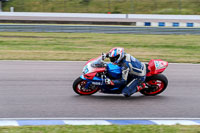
(126, 16)
(12, 9)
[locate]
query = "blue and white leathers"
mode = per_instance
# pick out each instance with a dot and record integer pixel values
(135, 70)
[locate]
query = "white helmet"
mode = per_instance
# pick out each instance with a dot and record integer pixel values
(116, 54)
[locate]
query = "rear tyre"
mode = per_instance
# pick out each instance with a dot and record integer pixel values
(79, 87)
(155, 85)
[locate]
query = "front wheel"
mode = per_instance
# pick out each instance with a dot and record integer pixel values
(155, 85)
(79, 87)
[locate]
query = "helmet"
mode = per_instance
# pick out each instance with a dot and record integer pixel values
(116, 54)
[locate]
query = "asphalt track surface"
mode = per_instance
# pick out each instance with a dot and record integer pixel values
(96, 29)
(43, 89)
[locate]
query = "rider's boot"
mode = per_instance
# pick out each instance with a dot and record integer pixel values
(127, 92)
(132, 88)
(140, 87)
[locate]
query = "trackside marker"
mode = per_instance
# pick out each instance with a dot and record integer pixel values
(34, 121)
(87, 122)
(8, 123)
(40, 122)
(174, 122)
(197, 121)
(131, 122)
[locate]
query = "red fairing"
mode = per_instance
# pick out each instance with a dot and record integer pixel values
(156, 66)
(99, 70)
(90, 75)
(95, 71)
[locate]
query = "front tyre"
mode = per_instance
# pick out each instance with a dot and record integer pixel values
(155, 85)
(79, 87)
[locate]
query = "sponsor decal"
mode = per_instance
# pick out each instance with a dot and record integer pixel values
(156, 64)
(96, 83)
(159, 64)
(85, 69)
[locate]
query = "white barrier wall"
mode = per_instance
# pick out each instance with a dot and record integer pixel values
(168, 24)
(139, 19)
(182, 24)
(101, 15)
(196, 24)
(155, 16)
(77, 15)
(140, 24)
(154, 24)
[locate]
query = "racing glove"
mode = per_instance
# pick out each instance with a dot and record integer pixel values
(109, 82)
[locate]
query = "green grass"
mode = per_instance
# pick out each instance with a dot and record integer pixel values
(84, 46)
(104, 6)
(102, 129)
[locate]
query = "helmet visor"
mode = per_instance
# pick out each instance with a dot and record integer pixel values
(113, 59)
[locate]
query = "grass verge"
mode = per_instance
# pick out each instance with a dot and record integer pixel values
(84, 46)
(102, 129)
(104, 6)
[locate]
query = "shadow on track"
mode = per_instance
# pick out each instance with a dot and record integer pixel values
(120, 97)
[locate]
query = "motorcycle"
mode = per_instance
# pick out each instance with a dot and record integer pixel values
(96, 71)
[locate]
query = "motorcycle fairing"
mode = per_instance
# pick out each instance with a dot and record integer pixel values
(95, 80)
(92, 67)
(156, 66)
(104, 88)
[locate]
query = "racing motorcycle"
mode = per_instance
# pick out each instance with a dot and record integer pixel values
(96, 71)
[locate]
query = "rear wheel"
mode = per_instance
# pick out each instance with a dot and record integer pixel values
(155, 85)
(79, 87)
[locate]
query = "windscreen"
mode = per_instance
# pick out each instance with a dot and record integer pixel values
(97, 63)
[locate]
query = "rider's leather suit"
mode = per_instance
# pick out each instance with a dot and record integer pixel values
(135, 70)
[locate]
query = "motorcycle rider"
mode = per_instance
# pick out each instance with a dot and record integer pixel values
(130, 67)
